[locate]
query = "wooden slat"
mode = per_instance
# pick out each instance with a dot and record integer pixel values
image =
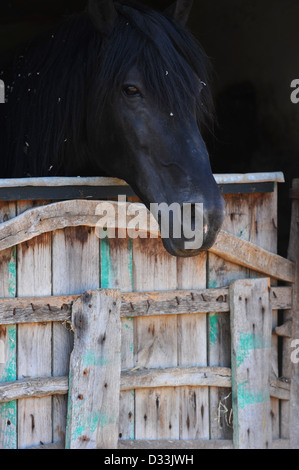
(107, 181)
(95, 363)
(280, 389)
(176, 377)
(251, 326)
(156, 343)
(36, 309)
(290, 354)
(75, 268)
(134, 304)
(249, 255)
(175, 444)
(192, 329)
(34, 340)
(192, 444)
(117, 272)
(34, 387)
(175, 302)
(136, 379)
(8, 337)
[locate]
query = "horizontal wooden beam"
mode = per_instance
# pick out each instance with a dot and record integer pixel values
(134, 304)
(166, 444)
(33, 387)
(176, 377)
(189, 444)
(54, 181)
(36, 309)
(136, 379)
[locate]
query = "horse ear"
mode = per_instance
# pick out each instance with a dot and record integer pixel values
(103, 15)
(180, 11)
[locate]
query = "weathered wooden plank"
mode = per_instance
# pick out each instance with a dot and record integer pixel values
(290, 356)
(134, 304)
(117, 272)
(135, 379)
(263, 209)
(75, 268)
(175, 302)
(8, 338)
(175, 444)
(279, 389)
(192, 329)
(220, 273)
(249, 255)
(156, 410)
(251, 326)
(191, 444)
(176, 377)
(34, 340)
(53, 181)
(36, 309)
(34, 387)
(64, 214)
(93, 411)
(285, 330)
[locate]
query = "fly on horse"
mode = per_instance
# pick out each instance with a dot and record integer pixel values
(117, 90)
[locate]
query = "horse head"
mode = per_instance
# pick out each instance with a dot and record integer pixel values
(151, 133)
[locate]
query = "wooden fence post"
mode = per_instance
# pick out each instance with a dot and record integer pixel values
(251, 325)
(94, 382)
(292, 344)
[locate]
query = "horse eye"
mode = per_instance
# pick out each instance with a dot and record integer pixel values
(131, 90)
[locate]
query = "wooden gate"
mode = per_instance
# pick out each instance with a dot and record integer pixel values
(186, 353)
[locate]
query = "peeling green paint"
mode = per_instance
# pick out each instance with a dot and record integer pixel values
(213, 328)
(87, 426)
(250, 397)
(249, 342)
(8, 411)
(91, 359)
(12, 273)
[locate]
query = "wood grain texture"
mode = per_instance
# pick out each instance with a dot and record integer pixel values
(135, 304)
(290, 357)
(75, 268)
(192, 330)
(95, 364)
(117, 272)
(34, 340)
(8, 337)
(107, 181)
(251, 327)
(34, 387)
(157, 410)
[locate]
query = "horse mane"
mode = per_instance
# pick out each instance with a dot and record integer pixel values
(62, 81)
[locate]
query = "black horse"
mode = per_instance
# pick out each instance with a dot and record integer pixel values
(118, 90)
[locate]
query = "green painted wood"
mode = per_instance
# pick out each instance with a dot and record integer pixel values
(8, 338)
(117, 272)
(251, 328)
(94, 379)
